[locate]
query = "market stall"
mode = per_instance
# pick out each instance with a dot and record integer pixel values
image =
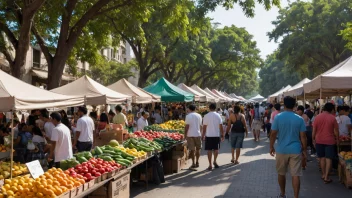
(275, 96)
(18, 95)
(93, 92)
(337, 81)
(232, 98)
(139, 96)
(198, 97)
(218, 93)
(209, 97)
(169, 92)
(221, 100)
(257, 98)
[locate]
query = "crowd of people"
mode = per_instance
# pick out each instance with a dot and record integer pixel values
(296, 132)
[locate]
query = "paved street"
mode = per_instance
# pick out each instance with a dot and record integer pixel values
(255, 176)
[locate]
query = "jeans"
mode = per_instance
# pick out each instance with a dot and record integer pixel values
(310, 141)
(84, 146)
(268, 128)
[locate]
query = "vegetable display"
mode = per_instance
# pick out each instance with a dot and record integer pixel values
(93, 168)
(169, 126)
(141, 144)
(151, 135)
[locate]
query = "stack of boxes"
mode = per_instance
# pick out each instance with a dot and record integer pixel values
(175, 160)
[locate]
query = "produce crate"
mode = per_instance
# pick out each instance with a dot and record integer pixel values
(65, 195)
(104, 176)
(105, 137)
(98, 179)
(120, 188)
(85, 186)
(167, 166)
(76, 191)
(345, 175)
(91, 183)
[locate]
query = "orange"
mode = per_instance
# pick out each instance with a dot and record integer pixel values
(40, 194)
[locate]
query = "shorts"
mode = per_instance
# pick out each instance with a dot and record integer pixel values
(256, 125)
(237, 140)
(212, 143)
(289, 161)
(194, 143)
(326, 151)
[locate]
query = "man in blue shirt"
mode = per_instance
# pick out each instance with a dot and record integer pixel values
(289, 128)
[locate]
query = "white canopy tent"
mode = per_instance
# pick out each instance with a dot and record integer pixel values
(138, 95)
(198, 97)
(272, 97)
(297, 90)
(94, 92)
(209, 97)
(18, 95)
(214, 95)
(257, 98)
(335, 82)
(232, 98)
(216, 92)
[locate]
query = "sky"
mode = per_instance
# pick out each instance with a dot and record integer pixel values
(258, 26)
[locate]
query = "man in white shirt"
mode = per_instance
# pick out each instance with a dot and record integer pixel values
(84, 131)
(343, 120)
(157, 116)
(48, 125)
(61, 141)
(142, 121)
(193, 136)
(212, 126)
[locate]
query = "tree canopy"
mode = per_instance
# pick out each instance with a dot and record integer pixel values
(274, 76)
(309, 35)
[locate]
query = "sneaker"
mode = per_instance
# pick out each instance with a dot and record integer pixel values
(197, 165)
(281, 196)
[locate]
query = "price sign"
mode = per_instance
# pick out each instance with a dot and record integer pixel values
(35, 169)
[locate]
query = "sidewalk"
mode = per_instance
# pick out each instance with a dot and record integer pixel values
(255, 176)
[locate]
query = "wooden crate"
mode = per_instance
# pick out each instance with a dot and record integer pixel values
(105, 137)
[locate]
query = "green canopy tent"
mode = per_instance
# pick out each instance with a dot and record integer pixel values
(169, 92)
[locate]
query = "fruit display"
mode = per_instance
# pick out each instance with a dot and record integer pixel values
(66, 164)
(203, 111)
(51, 184)
(151, 135)
(18, 169)
(132, 151)
(169, 126)
(346, 155)
(4, 148)
(92, 168)
(344, 138)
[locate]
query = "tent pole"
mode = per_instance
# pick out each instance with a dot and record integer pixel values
(11, 152)
(321, 93)
(304, 98)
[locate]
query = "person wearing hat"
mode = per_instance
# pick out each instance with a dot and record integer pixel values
(61, 148)
(84, 131)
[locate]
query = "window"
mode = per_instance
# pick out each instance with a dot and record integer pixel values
(123, 51)
(113, 53)
(124, 60)
(36, 58)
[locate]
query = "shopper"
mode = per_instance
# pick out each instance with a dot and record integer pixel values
(268, 119)
(325, 138)
(289, 129)
(142, 121)
(256, 122)
(343, 120)
(277, 108)
(61, 140)
(48, 125)
(119, 118)
(308, 123)
(193, 135)
(238, 132)
(157, 116)
(84, 131)
(212, 129)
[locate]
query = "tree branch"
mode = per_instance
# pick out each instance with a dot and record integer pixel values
(9, 34)
(33, 7)
(126, 3)
(42, 44)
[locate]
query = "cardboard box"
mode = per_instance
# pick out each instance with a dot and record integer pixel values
(104, 176)
(179, 147)
(167, 166)
(91, 183)
(143, 176)
(86, 186)
(176, 165)
(120, 188)
(105, 137)
(102, 191)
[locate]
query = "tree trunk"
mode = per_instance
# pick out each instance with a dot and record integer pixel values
(57, 66)
(142, 79)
